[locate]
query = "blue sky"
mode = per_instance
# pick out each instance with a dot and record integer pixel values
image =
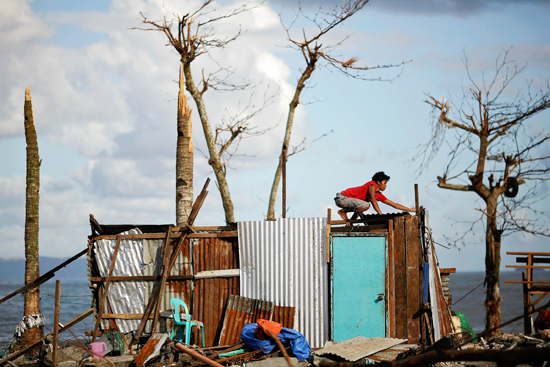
(104, 99)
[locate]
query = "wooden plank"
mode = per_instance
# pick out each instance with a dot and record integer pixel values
(74, 321)
(218, 273)
(536, 260)
(165, 272)
(56, 321)
(412, 241)
(213, 234)
(447, 270)
(105, 290)
(44, 277)
(529, 266)
(390, 290)
(528, 253)
(400, 278)
(327, 238)
(198, 203)
(143, 278)
(124, 316)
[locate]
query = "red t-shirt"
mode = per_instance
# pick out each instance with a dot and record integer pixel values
(360, 192)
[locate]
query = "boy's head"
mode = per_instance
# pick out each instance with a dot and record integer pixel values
(380, 176)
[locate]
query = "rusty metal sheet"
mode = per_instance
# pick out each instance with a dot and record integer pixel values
(211, 294)
(359, 347)
(284, 316)
(241, 311)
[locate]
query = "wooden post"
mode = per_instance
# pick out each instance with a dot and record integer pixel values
(328, 235)
(56, 322)
(283, 158)
(165, 271)
(390, 299)
(417, 203)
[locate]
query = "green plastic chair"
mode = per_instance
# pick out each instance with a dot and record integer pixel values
(187, 324)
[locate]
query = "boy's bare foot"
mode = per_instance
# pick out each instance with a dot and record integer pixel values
(343, 214)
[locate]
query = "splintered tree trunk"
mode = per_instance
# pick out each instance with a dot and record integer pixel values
(184, 158)
(492, 268)
(32, 271)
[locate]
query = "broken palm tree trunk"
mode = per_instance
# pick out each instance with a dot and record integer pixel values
(184, 158)
(31, 327)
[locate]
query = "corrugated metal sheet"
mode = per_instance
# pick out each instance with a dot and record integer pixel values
(284, 316)
(211, 294)
(390, 354)
(123, 297)
(239, 312)
(356, 348)
(242, 310)
(284, 262)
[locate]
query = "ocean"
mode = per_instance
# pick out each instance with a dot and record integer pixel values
(76, 299)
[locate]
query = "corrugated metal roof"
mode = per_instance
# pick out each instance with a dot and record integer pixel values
(359, 347)
(284, 262)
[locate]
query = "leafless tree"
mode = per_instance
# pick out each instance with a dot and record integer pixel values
(315, 55)
(491, 152)
(193, 35)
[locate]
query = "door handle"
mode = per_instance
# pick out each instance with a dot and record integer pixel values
(380, 297)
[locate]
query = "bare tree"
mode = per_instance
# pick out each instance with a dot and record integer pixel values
(315, 54)
(491, 153)
(184, 158)
(193, 35)
(33, 321)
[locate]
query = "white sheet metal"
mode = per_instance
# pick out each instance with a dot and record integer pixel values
(123, 297)
(284, 262)
(433, 295)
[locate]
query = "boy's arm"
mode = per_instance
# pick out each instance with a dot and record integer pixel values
(371, 196)
(398, 206)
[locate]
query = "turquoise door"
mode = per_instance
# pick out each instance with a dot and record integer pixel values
(358, 287)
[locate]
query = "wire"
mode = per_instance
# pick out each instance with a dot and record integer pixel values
(464, 296)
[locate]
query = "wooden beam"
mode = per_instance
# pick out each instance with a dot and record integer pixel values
(106, 289)
(528, 266)
(56, 321)
(28, 347)
(327, 237)
(447, 270)
(528, 253)
(142, 278)
(227, 273)
(390, 291)
(165, 272)
(44, 277)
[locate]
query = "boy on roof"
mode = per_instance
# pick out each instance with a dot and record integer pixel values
(358, 198)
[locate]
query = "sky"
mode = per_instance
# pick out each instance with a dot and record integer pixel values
(105, 97)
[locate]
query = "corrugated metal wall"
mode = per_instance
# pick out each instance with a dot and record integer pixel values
(210, 295)
(284, 262)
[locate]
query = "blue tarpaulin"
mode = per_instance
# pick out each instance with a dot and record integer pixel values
(298, 343)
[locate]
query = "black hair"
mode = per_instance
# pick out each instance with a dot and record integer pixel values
(380, 176)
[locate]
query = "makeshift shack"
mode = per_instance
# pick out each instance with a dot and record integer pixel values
(326, 279)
